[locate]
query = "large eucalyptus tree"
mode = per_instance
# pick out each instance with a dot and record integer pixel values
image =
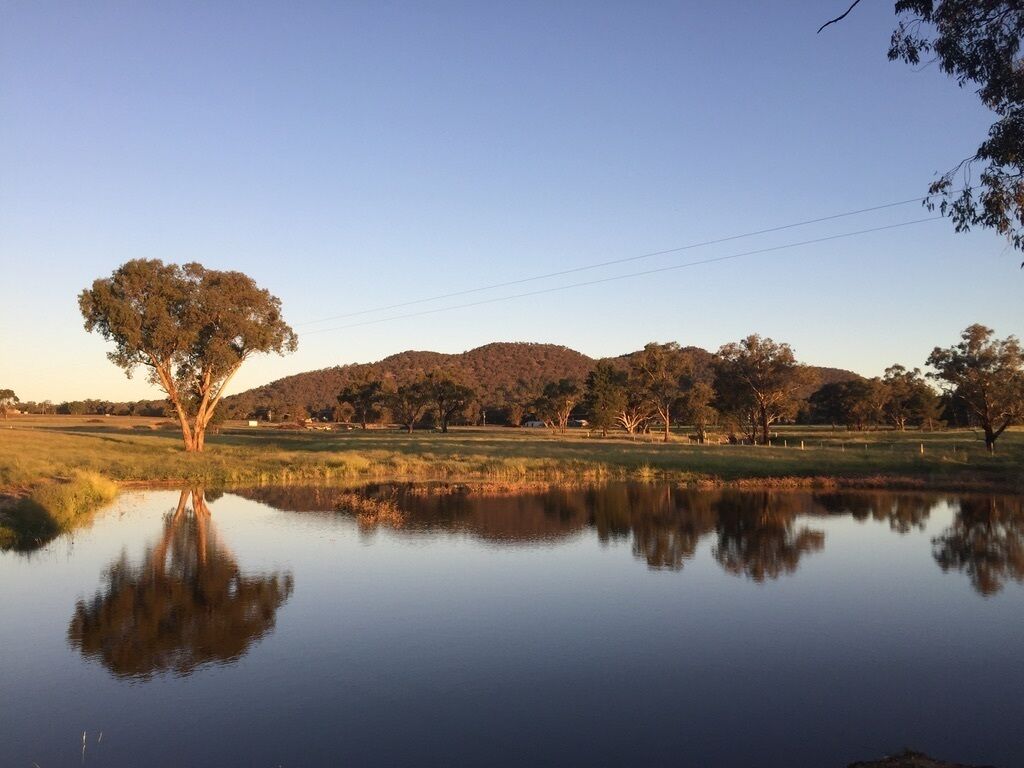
(190, 327)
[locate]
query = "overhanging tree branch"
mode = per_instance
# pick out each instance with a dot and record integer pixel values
(839, 18)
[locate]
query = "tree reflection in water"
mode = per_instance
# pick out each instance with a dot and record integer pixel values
(756, 532)
(986, 541)
(903, 511)
(665, 522)
(758, 536)
(186, 605)
(761, 535)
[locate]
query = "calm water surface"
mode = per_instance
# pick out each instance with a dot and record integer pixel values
(625, 624)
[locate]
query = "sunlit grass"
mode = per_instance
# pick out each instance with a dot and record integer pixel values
(52, 506)
(57, 447)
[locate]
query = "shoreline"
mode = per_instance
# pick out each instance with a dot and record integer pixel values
(52, 472)
(54, 506)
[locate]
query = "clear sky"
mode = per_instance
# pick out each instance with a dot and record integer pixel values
(353, 155)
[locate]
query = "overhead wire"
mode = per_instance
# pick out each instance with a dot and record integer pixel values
(608, 263)
(628, 275)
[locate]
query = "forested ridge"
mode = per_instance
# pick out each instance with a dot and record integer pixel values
(496, 372)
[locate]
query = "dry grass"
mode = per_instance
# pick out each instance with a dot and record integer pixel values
(372, 512)
(40, 447)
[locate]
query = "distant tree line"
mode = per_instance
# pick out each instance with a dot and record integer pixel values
(95, 407)
(740, 392)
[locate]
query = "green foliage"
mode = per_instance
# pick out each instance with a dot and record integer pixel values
(556, 403)
(502, 375)
(658, 370)
(857, 404)
(977, 42)
(506, 379)
(987, 376)
(190, 327)
(449, 395)
(364, 394)
(409, 401)
(696, 406)
(759, 382)
(909, 398)
(606, 395)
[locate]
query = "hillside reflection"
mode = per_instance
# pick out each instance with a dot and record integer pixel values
(187, 604)
(758, 535)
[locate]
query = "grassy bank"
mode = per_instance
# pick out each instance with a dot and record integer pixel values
(55, 470)
(50, 506)
(35, 450)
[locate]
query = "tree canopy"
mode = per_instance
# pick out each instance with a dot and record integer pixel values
(364, 394)
(190, 327)
(408, 402)
(557, 401)
(660, 368)
(448, 394)
(759, 380)
(986, 375)
(977, 43)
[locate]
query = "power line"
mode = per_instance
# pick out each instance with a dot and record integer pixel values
(625, 276)
(609, 263)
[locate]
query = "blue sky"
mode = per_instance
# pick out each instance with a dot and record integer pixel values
(353, 155)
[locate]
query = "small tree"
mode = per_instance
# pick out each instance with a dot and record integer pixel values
(191, 327)
(909, 398)
(697, 409)
(660, 367)
(364, 394)
(408, 402)
(557, 401)
(987, 376)
(7, 401)
(867, 401)
(605, 396)
(636, 411)
(448, 395)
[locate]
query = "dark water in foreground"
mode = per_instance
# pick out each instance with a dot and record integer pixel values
(609, 626)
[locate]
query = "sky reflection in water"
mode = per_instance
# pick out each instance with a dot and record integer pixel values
(450, 625)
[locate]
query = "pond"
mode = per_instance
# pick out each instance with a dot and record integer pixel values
(492, 625)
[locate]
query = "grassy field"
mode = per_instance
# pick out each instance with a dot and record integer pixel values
(45, 458)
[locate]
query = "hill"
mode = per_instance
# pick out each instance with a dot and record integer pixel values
(500, 372)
